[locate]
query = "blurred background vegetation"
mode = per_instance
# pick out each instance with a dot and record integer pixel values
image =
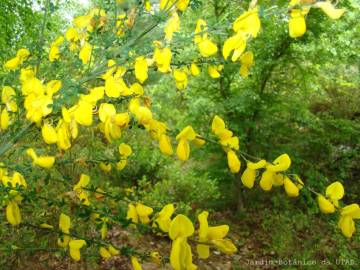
(302, 98)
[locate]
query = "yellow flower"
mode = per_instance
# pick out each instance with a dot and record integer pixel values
(54, 53)
(325, 205)
(214, 71)
(280, 164)
(23, 54)
(297, 24)
(162, 58)
(75, 246)
(53, 87)
(42, 161)
(236, 43)
(182, 4)
(172, 26)
(8, 97)
(334, 192)
(246, 60)
(166, 4)
(78, 188)
(49, 133)
(125, 150)
(267, 180)
(135, 263)
(115, 86)
(141, 69)
(347, 216)
(200, 31)
(248, 177)
(104, 253)
(13, 214)
(213, 235)
(12, 64)
(139, 212)
(105, 167)
(233, 161)
(163, 218)
(217, 125)
(181, 256)
(291, 189)
(248, 23)
(83, 113)
(4, 119)
(330, 10)
(165, 145)
(194, 69)
(72, 34)
(183, 150)
(187, 133)
(207, 48)
(64, 226)
(85, 53)
(180, 78)
(181, 227)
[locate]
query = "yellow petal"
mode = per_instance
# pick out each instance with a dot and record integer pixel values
(218, 232)
(135, 263)
(248, 178)
(85, 53)
(64, 223)
(352, 210)
(125, 150)
(45, 161)
(257, 165)
(267, 179)
(143, 212)
(106, 110)
(297, 24)
(83, 113)
(330, 10)
(194, 69)
(225, 245)
(280, 164)
(347, 226)
(132, 214)
(183, 150)
(141, 69)
(335, 191)
(181, 226)
(248, 22)
(187, 133)
(75, 246)
(325, 205)
(207, 48)
(13, 214)
(213, 72)
(4, 119)
(165, 145)
(104, 253)
(113, 251)
(291, 189)
(233, 162)
(49, 133)
(203, 251)
(121, 164)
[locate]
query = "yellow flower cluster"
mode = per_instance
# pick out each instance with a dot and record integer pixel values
(13, 214)
(179, 230)
(330, 202)
(300, 8)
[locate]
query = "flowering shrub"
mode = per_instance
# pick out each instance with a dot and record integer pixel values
(90, 90)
